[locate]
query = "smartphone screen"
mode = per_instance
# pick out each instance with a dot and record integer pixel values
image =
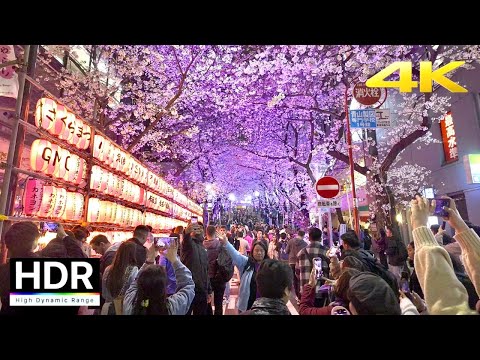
(194, 219)
(317, 262)
(164, 241)
(444, 223)
(404, 286)
(50, 226)
(439, 204)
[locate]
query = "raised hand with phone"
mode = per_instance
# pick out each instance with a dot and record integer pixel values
(444, 293)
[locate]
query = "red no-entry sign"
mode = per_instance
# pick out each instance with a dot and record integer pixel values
(327, 187)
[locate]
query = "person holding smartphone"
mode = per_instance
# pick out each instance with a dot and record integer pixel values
(444, 293)
(66, 246)
(147, 295)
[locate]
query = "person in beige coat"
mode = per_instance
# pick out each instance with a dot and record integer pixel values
(444, 293)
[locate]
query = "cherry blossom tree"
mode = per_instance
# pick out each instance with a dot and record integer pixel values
(245, 117)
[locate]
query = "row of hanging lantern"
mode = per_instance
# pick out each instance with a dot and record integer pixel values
(111, 155)
(156, 202)
(159, 222)
(58, 121)
(187, 203)
(58, 162)
(48, 201)
(100, 211)
(180, 212)
(104, 181)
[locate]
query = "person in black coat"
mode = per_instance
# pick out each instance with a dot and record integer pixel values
(194, 256)
(140, 236)
(21, 239)
(66, 245)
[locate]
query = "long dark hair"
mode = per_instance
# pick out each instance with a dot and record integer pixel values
(151, 294)
(251, 260)
(124, 257)
(343, 283)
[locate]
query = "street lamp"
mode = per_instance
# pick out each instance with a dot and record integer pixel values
(208, 187)
(231, 197)
(257, 194)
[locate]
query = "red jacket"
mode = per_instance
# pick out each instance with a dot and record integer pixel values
(307, 303)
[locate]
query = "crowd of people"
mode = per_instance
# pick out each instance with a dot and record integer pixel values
(342, 275)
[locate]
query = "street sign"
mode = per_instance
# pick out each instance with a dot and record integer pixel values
(383, 118)
(367, 96)
(370, 118)
(329, 203)
(327, 187)
(363, 118)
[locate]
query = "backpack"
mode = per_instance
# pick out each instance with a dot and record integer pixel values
(282, 255)
(372, 265)
(224, 270)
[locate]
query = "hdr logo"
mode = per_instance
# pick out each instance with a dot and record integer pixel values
(54, 282)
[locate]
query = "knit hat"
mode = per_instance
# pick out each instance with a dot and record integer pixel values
(371, 295)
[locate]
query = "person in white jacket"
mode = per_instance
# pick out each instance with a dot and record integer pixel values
(444, 293)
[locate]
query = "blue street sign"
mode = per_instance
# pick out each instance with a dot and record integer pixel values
(363, 118)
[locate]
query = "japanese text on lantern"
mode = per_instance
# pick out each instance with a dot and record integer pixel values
(449, 138)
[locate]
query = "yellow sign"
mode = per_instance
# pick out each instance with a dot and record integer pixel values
(427, 77)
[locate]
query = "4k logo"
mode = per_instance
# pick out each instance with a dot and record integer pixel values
(427, 77)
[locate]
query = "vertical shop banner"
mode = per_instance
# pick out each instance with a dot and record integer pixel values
(449, 138)
(8, 76)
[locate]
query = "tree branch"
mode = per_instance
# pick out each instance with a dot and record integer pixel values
(342, 157)
(159, 116)
(402, 144)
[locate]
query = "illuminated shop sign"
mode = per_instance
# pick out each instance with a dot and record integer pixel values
(449, 138)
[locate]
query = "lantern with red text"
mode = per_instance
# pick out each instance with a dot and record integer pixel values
(32, 198)
(48, 201)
